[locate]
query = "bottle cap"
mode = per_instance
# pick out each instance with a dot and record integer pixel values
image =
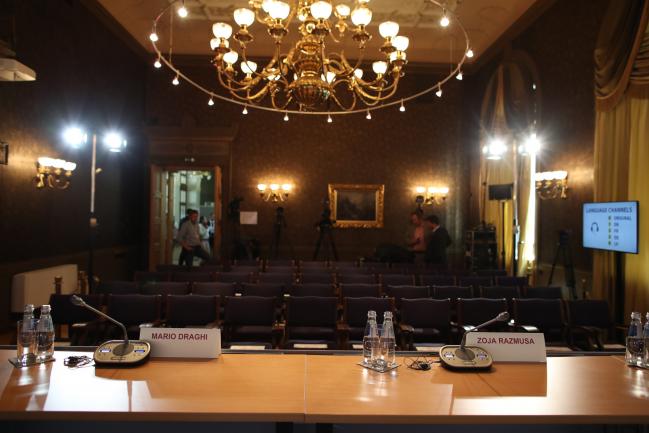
(46, 309)
(387, 315)
(635, 315)
(29, 308)
(371, 313)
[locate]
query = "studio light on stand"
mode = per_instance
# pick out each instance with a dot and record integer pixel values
(114, 142)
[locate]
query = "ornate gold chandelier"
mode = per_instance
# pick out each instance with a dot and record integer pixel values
(309, 78)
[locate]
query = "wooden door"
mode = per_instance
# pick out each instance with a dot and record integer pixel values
(218, 211)
(157, 216)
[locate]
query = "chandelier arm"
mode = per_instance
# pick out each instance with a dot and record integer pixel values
(337, 101)
(241, 85)
(280, 107)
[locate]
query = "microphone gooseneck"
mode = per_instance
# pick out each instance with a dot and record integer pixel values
(76, 300)
(501, 317)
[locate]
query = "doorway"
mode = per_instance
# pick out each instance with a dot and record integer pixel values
(174, 191)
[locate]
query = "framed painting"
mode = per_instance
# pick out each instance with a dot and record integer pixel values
(356, 205)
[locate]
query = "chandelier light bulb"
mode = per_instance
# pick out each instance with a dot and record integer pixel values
(369, 115)
(329, 119)
(287, 187)
(248, 67)
(394, 55)
(210, 102)
(388, 29)
(401, 42)
(278, 10)
(157, 64)
(379, 67)
(285, 117)
(444, 21)
(330, 77)
(222, 30)
(439, 92)
(459, 76)
(265, 5)
(321, 10)
(402, 108)
(469, 53)
(182, 12)
(261, 187)
(231, 57)
(343, 10)
(74, 136)
(244, 17)
(245, 110)
(153, 37)
(274, 187)
(358, 73)
(175, 81)
(361, 16)
(114, 141)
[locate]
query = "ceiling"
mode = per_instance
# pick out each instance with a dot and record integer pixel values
(484, 20)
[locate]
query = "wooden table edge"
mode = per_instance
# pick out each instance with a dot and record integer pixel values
(150, 416)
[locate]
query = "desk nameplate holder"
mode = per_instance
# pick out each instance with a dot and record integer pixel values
(17, 364)
(378, 368)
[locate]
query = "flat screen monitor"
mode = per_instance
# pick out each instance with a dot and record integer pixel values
(611, 226)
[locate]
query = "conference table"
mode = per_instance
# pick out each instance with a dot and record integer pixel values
(324, 389)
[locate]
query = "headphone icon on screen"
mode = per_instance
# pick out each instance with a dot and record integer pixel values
(594, 227)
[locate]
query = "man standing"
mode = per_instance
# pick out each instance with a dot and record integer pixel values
(416, 239)
(438, 241)
(190, 240)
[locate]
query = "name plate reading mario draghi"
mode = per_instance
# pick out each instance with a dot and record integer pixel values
(510, 346)
(183, 342)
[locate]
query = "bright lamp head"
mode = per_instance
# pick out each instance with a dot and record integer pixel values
(343, 10)
(278, 10)
(231, 57)
(114, 141)
(379, 67)
(361, 16)
(400, 43)
(75, 136)
(244, 17)
(321, 10)
(388, 29)
(222, 30)
(248, 67)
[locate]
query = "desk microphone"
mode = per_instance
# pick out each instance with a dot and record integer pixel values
(454, 357)
(116, 352)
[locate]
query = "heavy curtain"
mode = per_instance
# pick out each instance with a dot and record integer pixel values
(621, 153)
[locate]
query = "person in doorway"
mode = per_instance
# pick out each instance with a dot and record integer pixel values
(417, 239)
(190, 239)
(204, 230)
(182, 258)
(437, 242)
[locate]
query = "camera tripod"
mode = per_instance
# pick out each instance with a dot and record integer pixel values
(329, 245)
(278, 225)
(563, 248)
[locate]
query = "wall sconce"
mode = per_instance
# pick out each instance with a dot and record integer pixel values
(54, 173)
(551, 184)
(430, 196)
(274, 193)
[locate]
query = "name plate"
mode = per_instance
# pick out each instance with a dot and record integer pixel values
(510, 346)
(183, 342)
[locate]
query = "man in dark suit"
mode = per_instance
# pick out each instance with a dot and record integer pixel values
(438, 241)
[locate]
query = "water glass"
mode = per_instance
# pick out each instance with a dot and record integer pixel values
(26, 341)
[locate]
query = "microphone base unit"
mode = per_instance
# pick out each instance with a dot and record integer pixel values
(118, 353)
(469, 358)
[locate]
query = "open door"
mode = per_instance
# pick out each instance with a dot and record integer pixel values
(157, 216)
(218, 211)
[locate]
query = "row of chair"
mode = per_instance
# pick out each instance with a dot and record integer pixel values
(313, 320)
(289, 278)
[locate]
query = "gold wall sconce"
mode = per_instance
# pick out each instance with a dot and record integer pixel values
(432, 195)
(274, 192)
(551, 184)
(53, 172)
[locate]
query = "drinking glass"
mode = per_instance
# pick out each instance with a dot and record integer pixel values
(26, 341)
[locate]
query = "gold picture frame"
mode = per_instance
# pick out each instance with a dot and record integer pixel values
(356, 205)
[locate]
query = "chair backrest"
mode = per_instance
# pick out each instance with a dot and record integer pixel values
(273, 263)
(171, 268)
(542, 313)
(253, 262)
(426, 313)
(311, 311)
(190, 277)
(134, 309)
(360, 290)
(589, 312)
(280, 270)
(451, 292)
(519, 282)
(436, 280)
(249, 310)
(319, 264)
(191, 310)
(64, 312)
(347, 265)
(209, 268)
(320, 278)
(167, 288)
(397, 280)
(245, 269)
(491, 273)
(356, 279)
(284, 279)
(474, 281)
(313, 289)
(118, 287)
(151, 277)
(479, 310)
(548, 292)
(263, 289)
(355, 309)
(406, 292)
(499, 292)
(233, 277)
(214, 289)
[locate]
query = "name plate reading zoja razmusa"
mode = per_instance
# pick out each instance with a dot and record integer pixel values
(510, 346)
(183, 342)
